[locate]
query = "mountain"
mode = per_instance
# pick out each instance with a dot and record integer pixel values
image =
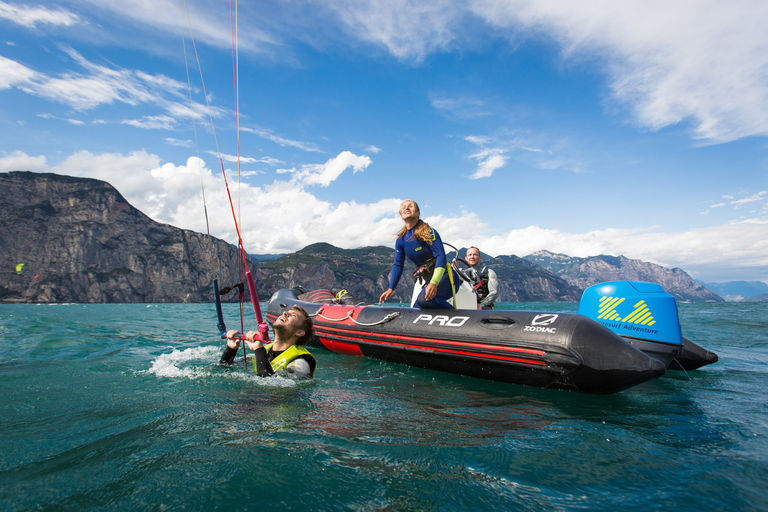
(521, 280)
(748, 291)
(585, 272)
(81, 241)
(364, 273)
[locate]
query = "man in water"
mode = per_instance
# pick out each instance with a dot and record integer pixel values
(287, 355)
(485, 284)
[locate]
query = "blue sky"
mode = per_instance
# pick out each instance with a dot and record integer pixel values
(595, 127)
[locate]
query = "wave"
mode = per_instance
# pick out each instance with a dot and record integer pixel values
(186, 364)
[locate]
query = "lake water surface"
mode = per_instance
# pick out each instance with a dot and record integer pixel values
(123, 407)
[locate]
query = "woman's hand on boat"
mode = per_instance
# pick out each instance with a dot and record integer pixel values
(384, 296)
(430, 291)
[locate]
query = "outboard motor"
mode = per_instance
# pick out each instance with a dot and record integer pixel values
(641, 313)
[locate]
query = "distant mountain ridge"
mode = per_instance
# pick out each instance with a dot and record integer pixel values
(81, 241)
(585, 272)
(737, 291)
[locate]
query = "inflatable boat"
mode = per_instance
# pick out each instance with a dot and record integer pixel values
(580, 352)
(548, 350)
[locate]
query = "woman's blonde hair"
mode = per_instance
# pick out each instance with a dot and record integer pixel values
(421, 230)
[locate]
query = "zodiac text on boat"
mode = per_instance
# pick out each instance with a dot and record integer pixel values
(444, 320)
(539, 323)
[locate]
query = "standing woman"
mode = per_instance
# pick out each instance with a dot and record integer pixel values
(423, 247)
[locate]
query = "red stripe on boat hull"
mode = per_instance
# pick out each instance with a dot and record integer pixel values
(344, 342)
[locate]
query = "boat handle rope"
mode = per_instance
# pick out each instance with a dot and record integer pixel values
(681, 367)
(387, 318)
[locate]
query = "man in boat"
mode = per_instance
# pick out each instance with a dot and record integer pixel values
(287, 355)
(485, 284)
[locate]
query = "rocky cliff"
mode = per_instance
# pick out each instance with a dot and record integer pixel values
(364, 272)
(585, 272)
(80, 241)
(524, 281)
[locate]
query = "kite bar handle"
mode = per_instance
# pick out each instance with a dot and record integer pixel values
(255, 303)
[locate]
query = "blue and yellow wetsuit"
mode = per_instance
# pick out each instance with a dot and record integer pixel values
(420, 252)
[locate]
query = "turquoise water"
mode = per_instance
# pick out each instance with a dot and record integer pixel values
(123, 407)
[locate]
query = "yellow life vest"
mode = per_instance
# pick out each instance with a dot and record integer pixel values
(288, 355)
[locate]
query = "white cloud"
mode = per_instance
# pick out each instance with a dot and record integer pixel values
(194, 111)
(127, 173)
(161, 122)
(13, 73)
(81, 93)
(32, 16)
(460, 230)
(488, 161)
(246, 174)
(282, 141)
(760, 196)
(480, 140)
(210, 23)
(178, 142)
(667, 61)
(460, 107)
(70, 120)
(243, 159)
(328, 172)
(756, 201)
(270, 160)
(409, 29)
(102, 85)
(735, 245)
(285, 218)
(20, 161)
(496, 152)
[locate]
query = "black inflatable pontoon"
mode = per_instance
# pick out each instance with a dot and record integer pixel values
(548, 350)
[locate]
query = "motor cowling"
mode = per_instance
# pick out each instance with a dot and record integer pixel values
(633, 309)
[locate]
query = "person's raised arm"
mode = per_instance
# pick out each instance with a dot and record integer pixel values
(397, 270)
